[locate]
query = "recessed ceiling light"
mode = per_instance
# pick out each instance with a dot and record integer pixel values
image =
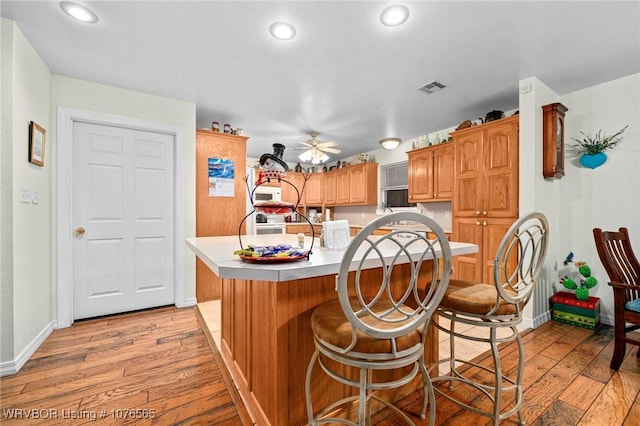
(282, 30)
(394, 15)
(79, 12)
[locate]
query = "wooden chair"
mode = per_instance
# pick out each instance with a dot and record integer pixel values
(616, 255)
(494, 310)
(372, 336)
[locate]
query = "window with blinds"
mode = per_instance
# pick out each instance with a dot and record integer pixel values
(393, 185)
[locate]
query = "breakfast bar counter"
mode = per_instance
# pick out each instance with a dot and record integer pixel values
(266, 308)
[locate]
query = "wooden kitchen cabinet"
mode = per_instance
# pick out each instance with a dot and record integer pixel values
(355, 185)
(431, 172)
(342, 186)
(330, 188)
(487, 234)
(217, 216)
(288, 193)
(485, 201)
(314, 190)
(363, 184)
(304, 228)
(486, 170)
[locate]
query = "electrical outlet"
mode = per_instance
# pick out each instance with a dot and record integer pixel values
(447, 215)
(430, 214)
(362, 215)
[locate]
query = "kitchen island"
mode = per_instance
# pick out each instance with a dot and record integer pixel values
(266, 335)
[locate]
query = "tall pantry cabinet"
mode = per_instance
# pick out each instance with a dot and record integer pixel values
(216, 215)
(485, 202)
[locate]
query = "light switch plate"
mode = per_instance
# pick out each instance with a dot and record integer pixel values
(25, 195)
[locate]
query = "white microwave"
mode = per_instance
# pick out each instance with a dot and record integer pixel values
(266, 193)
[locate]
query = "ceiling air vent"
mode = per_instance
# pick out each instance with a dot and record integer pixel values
(432, 87)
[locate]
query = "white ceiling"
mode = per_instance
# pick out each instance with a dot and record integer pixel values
(344, 75)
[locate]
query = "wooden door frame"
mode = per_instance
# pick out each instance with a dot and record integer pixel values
(64, 178)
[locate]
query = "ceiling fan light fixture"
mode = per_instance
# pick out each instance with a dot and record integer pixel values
(79, 12)
(390, 143)
(282, 31)
(313, 156)
(394, 15)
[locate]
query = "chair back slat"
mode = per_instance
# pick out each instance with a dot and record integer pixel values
(618, 259)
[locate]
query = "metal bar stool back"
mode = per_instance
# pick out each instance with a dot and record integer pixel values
(372, 336)
(494, 310)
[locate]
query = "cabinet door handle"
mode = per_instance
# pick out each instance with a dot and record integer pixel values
(478, 223)
(478, 213)
(484, 212)
(484, 223)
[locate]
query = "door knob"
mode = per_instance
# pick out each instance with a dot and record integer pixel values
(80, 230)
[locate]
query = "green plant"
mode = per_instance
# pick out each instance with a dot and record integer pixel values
(593, 145)
(582, 279)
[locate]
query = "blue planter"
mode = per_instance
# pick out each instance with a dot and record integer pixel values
(593, 161)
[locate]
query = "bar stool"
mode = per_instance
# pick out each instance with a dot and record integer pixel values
(494, 308)
(380, 320)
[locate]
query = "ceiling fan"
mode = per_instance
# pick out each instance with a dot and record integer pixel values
(316, 151)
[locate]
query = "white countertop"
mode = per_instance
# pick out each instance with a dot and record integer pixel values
(217, 254)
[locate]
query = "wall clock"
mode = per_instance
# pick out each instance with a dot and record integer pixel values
(553, 140)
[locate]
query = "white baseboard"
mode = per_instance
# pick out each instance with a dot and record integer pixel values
(189, 302)
(12, 367)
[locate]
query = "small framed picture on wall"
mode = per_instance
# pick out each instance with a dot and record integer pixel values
(37, 136)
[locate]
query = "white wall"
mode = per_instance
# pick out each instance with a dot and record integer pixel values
(607, 197)
(27, 284)
(28, 244)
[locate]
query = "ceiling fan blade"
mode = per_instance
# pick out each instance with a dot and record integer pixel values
(326, 144)
(306, 144)
(331, 150)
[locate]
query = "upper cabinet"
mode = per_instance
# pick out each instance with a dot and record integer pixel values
(330, 189)
(486, 170)
(353, 185)
(431, 172)
(314, 190)
(363, 184)
(342, 186)
(288, 192)
(356, 185)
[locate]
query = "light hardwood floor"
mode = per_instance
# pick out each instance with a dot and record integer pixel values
(161, 360)
(148, 367)
(567, 377)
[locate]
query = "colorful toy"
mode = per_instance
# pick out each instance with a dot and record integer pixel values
(581, 281)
